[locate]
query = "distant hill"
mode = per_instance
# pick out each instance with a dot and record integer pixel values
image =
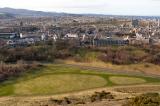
(25, 12)
(6, 15)
(11, 12)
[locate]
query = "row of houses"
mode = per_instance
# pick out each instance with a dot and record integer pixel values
(111, 41)
(14, 39)
(7, 35)
(143, 39)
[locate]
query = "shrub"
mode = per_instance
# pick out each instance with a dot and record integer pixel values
(11, 70)
(97, 96)
(149, 99)
(156, 59)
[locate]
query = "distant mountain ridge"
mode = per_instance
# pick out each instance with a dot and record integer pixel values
(6, 15)
(25, 12)
(12, 13)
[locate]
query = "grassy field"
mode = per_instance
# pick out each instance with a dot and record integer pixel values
(51, 84)
(141, 67)
(59, 78)
(126, 80)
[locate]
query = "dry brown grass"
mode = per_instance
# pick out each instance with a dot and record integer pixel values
(141, 67)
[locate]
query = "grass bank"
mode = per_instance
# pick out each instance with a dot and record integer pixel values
(59, 78)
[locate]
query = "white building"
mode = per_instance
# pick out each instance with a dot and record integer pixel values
(71, 36)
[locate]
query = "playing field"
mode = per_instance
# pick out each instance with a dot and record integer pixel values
(59, 78)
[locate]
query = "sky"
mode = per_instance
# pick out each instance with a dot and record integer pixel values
(109, 7)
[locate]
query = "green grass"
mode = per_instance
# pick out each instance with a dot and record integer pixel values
(126, 80)
(57, 78)
(52, 84)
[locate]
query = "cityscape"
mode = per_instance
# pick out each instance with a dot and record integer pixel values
(82, 54)
(113, 30)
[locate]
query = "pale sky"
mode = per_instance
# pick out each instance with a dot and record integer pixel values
(111, 7)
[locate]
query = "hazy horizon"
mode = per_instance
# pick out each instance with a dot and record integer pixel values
(107, 7)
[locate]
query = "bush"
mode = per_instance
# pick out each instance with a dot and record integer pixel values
(149, 99)
(124, 55)
(33, 53)
(97, 96)
(11, 70)
(117, 57)
(156, 59)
